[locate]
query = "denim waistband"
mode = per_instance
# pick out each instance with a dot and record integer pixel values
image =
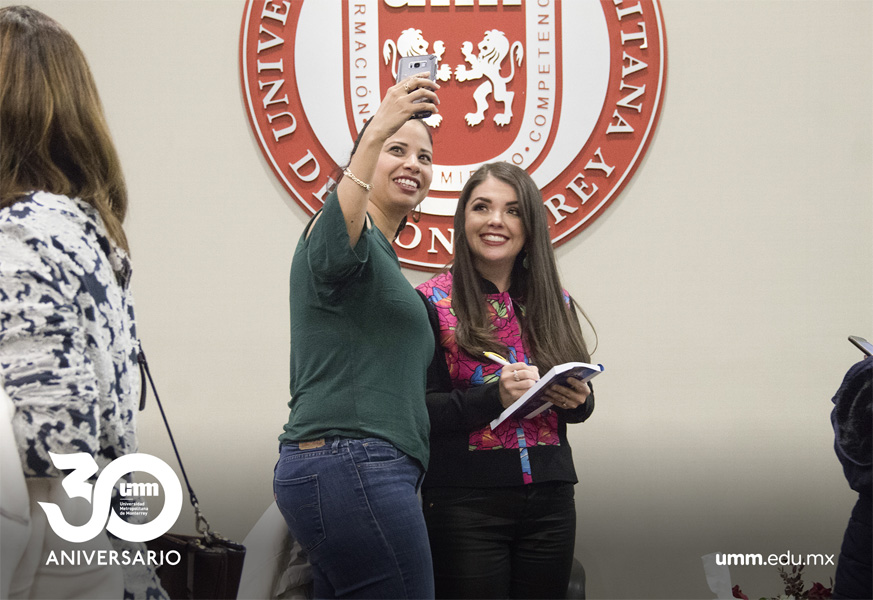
(331, 443)
(355, 447)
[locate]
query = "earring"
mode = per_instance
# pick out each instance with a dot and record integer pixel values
(524, 262)
(416, 214)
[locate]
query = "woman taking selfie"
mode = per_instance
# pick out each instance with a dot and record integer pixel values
(355, 446)
(67, 334)
(499, 504)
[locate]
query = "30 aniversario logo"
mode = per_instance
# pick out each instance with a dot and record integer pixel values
(571, 91)
(141, 528)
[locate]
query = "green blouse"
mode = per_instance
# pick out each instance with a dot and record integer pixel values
(361, 340)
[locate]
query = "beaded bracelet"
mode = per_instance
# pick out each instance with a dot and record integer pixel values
(350, 175)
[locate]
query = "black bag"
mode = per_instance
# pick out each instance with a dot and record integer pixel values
(208, 569)
(211, 565)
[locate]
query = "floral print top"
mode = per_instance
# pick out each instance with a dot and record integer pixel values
(467, 372)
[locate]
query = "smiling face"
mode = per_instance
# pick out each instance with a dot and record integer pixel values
(404, 169)
(494, 229)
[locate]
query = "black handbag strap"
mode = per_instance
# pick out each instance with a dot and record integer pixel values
(201, 523)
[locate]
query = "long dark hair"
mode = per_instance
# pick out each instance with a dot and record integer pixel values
(54, 133)
(551, 331)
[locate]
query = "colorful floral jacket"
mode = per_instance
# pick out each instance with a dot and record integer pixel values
(463, 398)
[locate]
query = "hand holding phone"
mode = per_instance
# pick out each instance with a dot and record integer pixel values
(417, 65)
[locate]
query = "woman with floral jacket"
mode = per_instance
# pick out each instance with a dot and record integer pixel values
(499, 504)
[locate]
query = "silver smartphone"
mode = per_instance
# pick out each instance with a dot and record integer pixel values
(413, 65)
(862, 344)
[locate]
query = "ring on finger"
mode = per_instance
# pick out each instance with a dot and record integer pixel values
(406, 87)
(515, 375)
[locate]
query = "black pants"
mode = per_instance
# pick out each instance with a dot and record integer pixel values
(509, 542)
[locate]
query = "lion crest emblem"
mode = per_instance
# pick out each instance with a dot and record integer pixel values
(493, 50)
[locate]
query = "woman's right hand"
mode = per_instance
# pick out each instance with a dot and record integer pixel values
(515, 380)
(397, 108)
(399, 104)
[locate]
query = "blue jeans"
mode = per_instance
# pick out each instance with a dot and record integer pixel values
(353, 506)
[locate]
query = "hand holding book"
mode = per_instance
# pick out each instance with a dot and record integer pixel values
(539, 396)
(517, 378)
(570, 395)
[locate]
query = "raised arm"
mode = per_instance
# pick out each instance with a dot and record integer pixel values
(397, 107)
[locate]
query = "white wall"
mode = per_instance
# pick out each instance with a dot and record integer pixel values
(722, 283)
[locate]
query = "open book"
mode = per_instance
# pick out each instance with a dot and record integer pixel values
(533, 402)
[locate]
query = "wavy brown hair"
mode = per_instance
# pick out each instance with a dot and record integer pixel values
(53, 133)
(551, 330)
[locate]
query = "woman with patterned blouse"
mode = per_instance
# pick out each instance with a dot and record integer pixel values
(67, 334)
(499, 503)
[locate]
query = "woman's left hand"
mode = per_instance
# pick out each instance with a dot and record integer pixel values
(569, 396)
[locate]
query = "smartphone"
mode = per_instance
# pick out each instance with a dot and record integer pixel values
(413, 65)
(862, 344)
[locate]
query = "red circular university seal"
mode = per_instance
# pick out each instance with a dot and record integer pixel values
(569, 91)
